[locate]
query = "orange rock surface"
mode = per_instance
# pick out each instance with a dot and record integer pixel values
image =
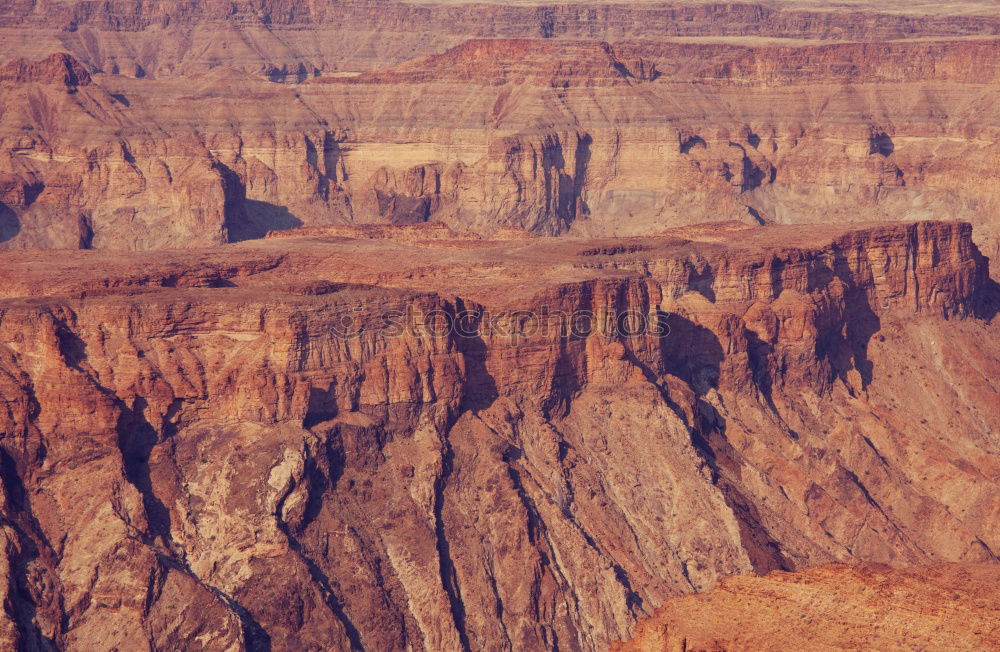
(212, 122)
(281, 443)
(401, 325)
(870, 607)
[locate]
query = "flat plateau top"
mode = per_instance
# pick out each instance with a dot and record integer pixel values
(424, 258)
(912, 7)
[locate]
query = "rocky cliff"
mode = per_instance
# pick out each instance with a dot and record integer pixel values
(326, 386)
(169, 124)
(353, 439)
(292, 40)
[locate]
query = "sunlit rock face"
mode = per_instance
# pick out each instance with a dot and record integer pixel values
(408, 326)
(834, 606)
(174, 125)
(373, 436)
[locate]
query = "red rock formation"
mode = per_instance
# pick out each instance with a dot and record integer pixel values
(391, 415)
(261, 430)
(277, 36)
(56, 69)
(112, 164)
(493, 62)
(834, 607)
(550, 119)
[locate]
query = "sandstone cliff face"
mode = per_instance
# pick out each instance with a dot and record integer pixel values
(248, 447)
(88, 168)
(593, 120)
(834, 607)
(74, 182)
(279, 444)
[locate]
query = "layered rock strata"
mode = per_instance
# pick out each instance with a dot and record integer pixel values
(181, 126)
(441, 443)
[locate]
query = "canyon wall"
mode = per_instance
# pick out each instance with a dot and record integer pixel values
(282, 443)
(287, 363)
(291, 40)
(180, 127)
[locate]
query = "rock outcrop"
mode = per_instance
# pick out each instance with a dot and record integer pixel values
(57, 69)
(871, 607)
(435, 443)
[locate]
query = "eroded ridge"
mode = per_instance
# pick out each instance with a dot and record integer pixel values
(277, 442)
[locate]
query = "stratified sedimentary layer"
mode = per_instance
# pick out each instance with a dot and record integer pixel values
(282, 441)
(180, 125)
(291, 40)
(869, 607)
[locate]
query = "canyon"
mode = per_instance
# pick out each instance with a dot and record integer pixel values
(370, 324)
(393, 437)
(199, 124)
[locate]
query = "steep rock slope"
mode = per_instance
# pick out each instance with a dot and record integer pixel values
(71, 181)
(311, 460)
(85, 168)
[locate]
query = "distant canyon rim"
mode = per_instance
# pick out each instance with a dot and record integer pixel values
(161, 125)
(386, 325)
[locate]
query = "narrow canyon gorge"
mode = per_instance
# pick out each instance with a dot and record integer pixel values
(384, 325)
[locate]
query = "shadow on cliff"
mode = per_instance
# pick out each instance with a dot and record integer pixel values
(694, 354)
(480, 389)
(479, 393)
(10, 224)
(136, 436)
(136, 439)
(564, 187)
(254, 219)
(847, 348)
(881, 143)
(286, 75)
(20, 602)
(759, 358)
(987, 300)
(250, 219)
(583, 154)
